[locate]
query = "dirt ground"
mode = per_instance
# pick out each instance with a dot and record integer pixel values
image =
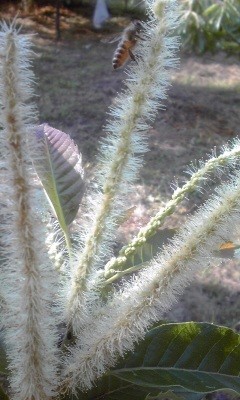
(75, 87)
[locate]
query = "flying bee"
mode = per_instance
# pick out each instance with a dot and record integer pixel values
(127, 41)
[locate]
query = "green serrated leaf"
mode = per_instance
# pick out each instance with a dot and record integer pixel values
(194, 381)
(188, 359)
(196, 357)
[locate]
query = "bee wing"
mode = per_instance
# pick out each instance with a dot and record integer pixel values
(111, 39)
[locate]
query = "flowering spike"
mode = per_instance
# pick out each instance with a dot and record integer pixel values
(215, 164)
(121, 153)
(26, 276)
(143, 300)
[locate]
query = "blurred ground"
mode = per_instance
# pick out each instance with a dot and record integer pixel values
(75, 86)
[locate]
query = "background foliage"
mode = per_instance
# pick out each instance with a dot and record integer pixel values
(206, 25)
(210, 25)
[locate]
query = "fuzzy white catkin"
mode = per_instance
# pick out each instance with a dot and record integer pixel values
(27, 278)
(121, 154)
(131, 310)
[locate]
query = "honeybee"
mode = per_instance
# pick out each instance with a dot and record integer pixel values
(127, 41)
